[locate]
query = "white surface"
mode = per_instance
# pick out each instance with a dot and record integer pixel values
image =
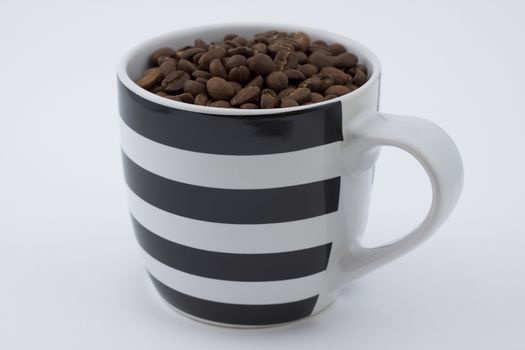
(72, 274)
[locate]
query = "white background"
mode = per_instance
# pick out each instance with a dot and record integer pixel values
(71, 272)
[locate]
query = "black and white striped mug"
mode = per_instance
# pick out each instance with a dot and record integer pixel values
(254, 217)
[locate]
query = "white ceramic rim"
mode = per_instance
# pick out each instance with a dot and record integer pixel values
(357, 47)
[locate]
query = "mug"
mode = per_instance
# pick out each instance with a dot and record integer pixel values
(251, 218)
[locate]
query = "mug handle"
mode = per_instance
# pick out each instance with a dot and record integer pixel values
(436, 152)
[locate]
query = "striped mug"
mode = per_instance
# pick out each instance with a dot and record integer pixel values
(252, 218)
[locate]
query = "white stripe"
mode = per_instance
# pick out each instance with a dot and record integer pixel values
(273, 292)
(232, 172)
(236, 238)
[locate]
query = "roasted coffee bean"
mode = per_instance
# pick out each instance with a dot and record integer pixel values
(239, 74)
(285, 60)
(174, 82)
(309, 70)
(220, 104)
(210, 55)
(200, 43)
(219, 89)
(167, 67)
(261, 64)
(314, 83)
(338, 75)
(241, 50)
(260, 48)
(248, 106)
(320, 60)
(359, 78)
(285, 103)
(201, 80)
(217, 69)
(337, 90)
(345, 60)
(257, 81)
(300, 95)
(201, 74)
(269, 99)
(269, 70)
(336, 49)
(188, 53)
(187, 66)
(235, 61)
(185, 97)
(163, 51)
(277, 81)
(235, 85)
(245, 95)
(303, 40)
(316, 97)
(194, 88)
(201, 99)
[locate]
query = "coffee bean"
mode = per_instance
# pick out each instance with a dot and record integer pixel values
(185, 97)
(314, 83)
(316, 97)
(210, 55)
(201, 74)
(248, 106)
(239, 74)
(194, 88)
(219, 89)
(285, 103)
(320, 60)
(300, 95)
(308, 70)
(294, 75)
(220, 104)
(277, 81)
(345, 60)
(188, 53)
(235, 85)
(200, 43)
(269, 70)
(303, 40)
(201, 99)
(359, 78)
(241, 50)
(257, 81)
(187, 66)
(201, 80)
(229, 36)
(217, 69)
(337, 90)
(167, 67)
(336, 49)
(285, 60)
(235, 61)
(338, 75)
(245, 95)
(260, 48)
(163, 51)
(269, 99)
(261, 64)
(174, 82)
(150, 78)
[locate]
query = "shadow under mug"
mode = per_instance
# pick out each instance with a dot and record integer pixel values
(254, 217)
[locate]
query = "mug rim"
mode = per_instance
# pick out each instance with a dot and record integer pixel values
(357, 47)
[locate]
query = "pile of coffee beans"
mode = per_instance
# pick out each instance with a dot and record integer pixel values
(273, 69)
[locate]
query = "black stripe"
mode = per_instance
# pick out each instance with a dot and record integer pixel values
(230, 266)
(235, 135)
(236, 314)
(234, 206)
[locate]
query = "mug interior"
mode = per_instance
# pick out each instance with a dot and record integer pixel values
(136, 61)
